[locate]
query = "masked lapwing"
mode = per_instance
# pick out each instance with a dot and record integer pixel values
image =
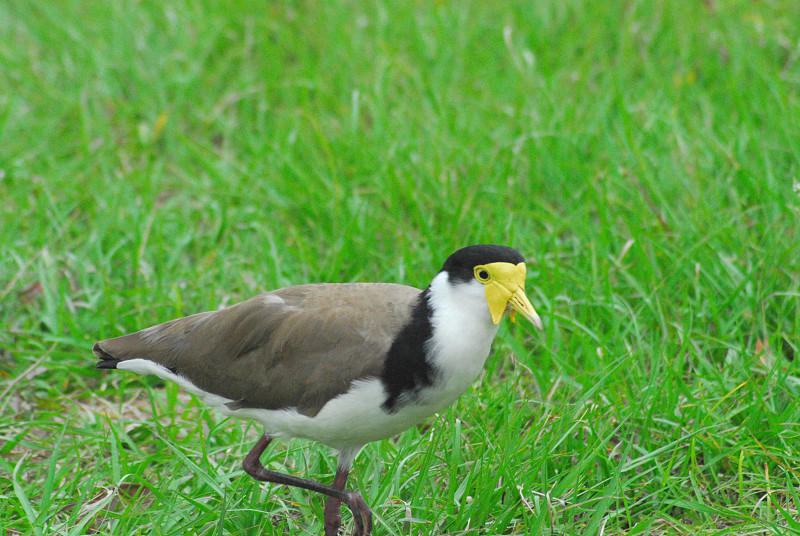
(339, 363)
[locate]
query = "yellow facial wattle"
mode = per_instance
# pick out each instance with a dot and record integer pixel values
(504, 284)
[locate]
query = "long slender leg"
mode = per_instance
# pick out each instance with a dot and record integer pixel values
(333, 506)
(362, 515)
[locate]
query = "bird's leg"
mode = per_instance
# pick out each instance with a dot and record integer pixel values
(362, 515)
(333, 506)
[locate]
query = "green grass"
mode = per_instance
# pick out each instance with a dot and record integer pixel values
(163, 158)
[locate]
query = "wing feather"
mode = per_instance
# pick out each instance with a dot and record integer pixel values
(294, 347)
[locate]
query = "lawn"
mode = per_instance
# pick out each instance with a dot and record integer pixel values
(159, 159)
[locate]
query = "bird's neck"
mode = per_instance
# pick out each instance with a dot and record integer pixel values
(443, 348)
(462, 335)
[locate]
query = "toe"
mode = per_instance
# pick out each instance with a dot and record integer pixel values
(362, 515)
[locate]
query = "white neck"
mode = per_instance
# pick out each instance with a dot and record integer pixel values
(463, 332)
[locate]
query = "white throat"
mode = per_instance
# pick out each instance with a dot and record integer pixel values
(463, 332)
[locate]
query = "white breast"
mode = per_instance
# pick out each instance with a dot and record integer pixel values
(463, 332)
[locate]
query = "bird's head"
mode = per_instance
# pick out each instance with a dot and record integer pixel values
(501, 270)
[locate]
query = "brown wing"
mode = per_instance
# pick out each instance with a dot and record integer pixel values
(293, 347)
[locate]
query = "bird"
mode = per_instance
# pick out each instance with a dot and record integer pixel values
(341, 364)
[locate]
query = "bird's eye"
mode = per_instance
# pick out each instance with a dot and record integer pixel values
(482, 274)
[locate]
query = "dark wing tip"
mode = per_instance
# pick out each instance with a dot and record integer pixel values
(108, 364)
(107, 361)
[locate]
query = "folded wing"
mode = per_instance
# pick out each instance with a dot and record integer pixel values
(295, 347)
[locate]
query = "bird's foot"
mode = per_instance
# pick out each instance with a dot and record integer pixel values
(362, 515)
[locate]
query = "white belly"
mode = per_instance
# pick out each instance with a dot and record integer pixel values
(350, 420)
(346, 422)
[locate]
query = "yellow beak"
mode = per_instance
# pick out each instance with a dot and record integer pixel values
(506, 290)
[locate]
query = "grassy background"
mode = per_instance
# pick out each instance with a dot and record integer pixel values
(163, 158)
